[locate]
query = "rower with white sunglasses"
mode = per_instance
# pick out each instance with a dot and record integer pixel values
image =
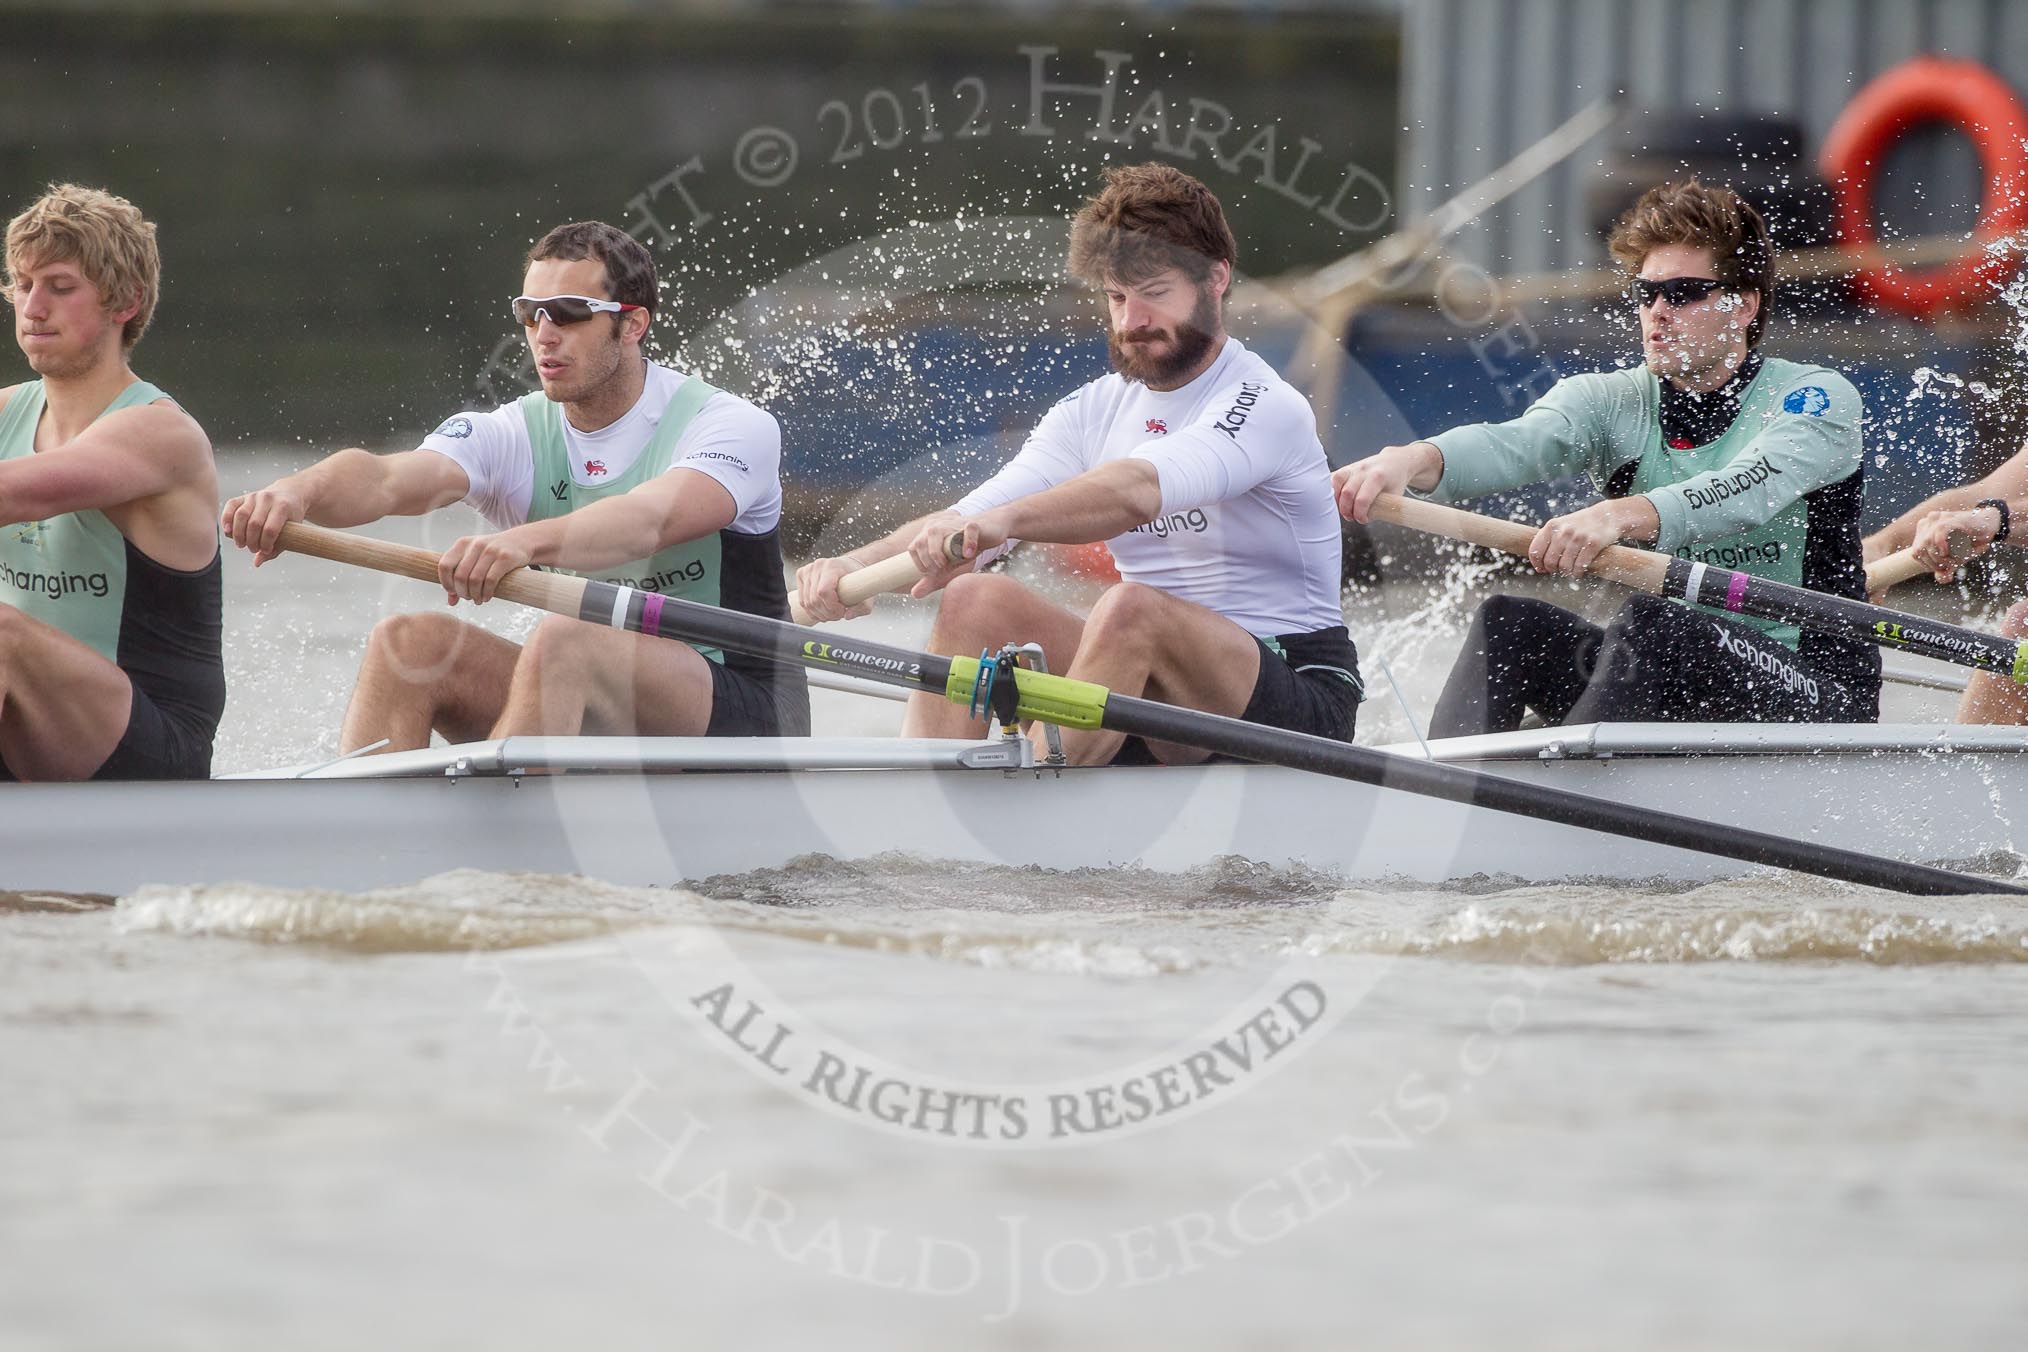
(618, 468)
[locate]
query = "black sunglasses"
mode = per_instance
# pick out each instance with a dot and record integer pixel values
(1679, 291)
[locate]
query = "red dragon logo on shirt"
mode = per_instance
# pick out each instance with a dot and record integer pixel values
(1158, 427)
(594, 468)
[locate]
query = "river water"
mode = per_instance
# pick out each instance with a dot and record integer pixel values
(897, 1105)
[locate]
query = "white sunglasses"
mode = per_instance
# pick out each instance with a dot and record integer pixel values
(531, 310)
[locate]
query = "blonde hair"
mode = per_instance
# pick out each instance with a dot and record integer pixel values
(109, 239)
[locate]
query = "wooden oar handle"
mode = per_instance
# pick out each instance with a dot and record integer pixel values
(1641, 569)
(894, 573)
(1893, 570)
(560, 593)
(1901, 565)
(300, 537)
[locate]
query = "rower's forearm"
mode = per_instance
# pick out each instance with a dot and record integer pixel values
(584, 543)
(1899, 534)
(1429, 466)
(1097, 505)
(1637, 518)
(346, 488)
(617, 531)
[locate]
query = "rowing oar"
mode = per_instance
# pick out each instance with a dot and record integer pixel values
(1742, 593)
(897, 572)
(890, 574)
(1081, 704)
(1884, 574)
(1898, 567)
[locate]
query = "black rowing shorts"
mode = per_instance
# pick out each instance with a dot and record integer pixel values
(745, 705)
(159, 743)
(1307, 683)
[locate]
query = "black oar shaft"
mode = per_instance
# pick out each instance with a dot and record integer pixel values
(1078, 704)
(1249, 741)
(1844, 616)
(756, 636)
(1725, 589)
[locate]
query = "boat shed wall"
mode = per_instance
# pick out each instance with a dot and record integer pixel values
(1483, 79)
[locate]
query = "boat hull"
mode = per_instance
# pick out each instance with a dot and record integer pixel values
(1879, 791)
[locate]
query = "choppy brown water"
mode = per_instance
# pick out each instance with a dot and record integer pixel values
(998, 1108)
(512, 1107)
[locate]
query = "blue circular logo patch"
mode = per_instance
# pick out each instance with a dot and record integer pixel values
(1811, 399)
(462, 427)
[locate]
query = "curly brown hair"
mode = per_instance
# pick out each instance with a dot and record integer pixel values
(1702, 216)
(630, 271)
(1146, 219)
(108, 238)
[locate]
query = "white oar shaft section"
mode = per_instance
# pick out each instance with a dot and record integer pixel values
(1892, 571)
(875, 579)
(1641, 569)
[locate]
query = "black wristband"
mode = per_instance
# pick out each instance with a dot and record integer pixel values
(2006, 517)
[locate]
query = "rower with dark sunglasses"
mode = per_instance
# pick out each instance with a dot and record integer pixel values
(617, 468)
(1709, 451)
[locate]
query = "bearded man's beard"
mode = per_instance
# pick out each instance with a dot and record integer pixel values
(1188, 343)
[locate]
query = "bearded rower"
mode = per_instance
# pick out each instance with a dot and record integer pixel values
(1196, 464)
(111, 665)
(1709, 451)
(617, 468)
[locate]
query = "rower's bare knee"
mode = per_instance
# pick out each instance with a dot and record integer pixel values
(980, 607)
(1132, 614)
(2016, 623)
(415, 649)
(558, 644)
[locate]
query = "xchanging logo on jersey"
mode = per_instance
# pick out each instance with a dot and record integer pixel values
(692, 571)
(720, 456)
(1235, 417)
(1194, 521)
(1814, 400)
(1716, 491)
(1766, 553)
(55, 586)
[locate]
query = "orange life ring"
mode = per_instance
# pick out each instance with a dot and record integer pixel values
(1931, 89)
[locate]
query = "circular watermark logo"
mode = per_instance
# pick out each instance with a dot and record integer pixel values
(848, 326)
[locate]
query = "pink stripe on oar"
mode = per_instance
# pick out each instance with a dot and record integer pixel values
(1735, 591)
(651, 613)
